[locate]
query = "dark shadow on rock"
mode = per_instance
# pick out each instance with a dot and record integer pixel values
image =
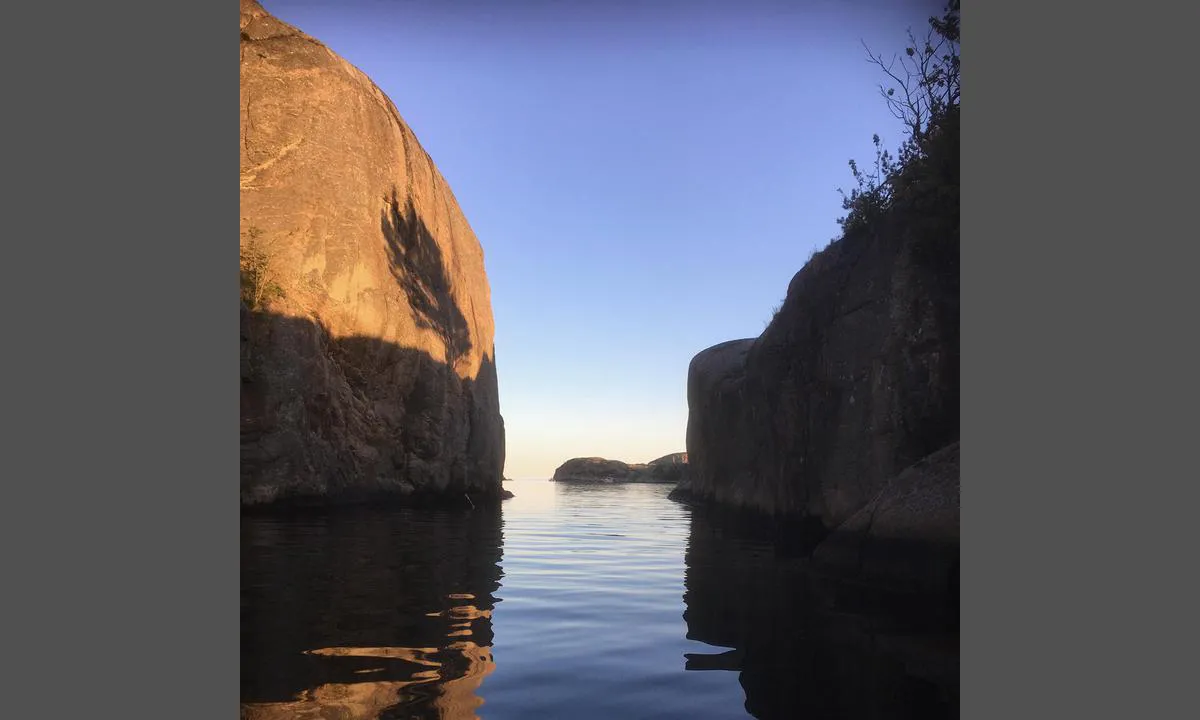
(365, 612)
(328, 420)
(416, 261)
(798, 652)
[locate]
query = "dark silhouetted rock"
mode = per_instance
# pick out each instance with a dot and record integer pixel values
(854, 379)
(843, 414)
(368, 364)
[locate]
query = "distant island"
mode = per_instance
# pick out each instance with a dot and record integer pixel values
(666, 469)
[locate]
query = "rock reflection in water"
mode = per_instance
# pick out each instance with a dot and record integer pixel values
(445, 689)
(356, 615)
(797, 655)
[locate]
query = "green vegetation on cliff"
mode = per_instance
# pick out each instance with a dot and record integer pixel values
(922, 91)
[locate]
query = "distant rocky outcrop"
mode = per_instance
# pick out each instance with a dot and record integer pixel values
(592, 469)
(666, 469)
(368, 366)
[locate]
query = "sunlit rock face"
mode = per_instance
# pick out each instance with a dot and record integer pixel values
(368, 364)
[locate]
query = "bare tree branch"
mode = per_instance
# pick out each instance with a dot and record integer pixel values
(925, 85)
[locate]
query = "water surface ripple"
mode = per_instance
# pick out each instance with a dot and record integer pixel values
(573, 601)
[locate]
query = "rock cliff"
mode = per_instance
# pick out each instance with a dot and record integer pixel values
(368, 365)
(856, 377)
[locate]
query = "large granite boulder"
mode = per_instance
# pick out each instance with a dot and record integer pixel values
(368, 366)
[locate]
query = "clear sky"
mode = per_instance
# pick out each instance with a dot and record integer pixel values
(644, 177)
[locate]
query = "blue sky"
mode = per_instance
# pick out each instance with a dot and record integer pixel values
(644, 177)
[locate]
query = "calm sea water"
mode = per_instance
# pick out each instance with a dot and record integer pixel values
(572, 601)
